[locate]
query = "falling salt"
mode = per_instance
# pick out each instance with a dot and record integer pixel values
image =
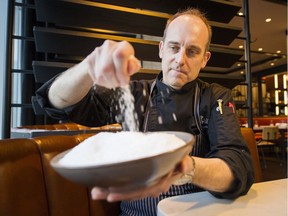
(142, 108)
(174, 117)
(128, 116)
(144, 92)
(160, 120)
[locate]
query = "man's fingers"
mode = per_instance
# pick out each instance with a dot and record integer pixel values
(133, 195)
(99, 193)
(121, 56)
(161, 186)
(133, 65)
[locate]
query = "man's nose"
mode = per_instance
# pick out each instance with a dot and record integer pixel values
(180, 57)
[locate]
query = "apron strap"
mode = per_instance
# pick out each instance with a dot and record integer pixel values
(197, 118)
(149, 103)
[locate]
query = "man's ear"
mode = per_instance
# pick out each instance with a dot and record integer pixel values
(161, 44)
(206, 59)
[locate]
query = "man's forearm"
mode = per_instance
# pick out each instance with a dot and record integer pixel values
(212, 174)
(71, 86)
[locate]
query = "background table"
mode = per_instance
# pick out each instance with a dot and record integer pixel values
(265, 198)
(283, 128)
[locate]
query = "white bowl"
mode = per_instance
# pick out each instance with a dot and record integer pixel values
(130, 174)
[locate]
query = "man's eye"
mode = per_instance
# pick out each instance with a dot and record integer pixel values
(174, 48)
(192, 52)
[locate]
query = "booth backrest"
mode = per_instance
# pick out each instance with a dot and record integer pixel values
(64, 197)
(22, 186)
(29, 186)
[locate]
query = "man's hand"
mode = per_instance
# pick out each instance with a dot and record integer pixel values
(112, 64)
(162, 185)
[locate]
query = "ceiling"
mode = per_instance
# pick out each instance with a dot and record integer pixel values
(271, 36)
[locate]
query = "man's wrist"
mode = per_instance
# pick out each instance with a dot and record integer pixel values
(192, 173)
(188, 177)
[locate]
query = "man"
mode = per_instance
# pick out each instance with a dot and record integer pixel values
(220, 162)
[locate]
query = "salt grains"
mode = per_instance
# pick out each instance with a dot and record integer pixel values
(108, 148)
(128, 115)
(174, 117)
(160, 120)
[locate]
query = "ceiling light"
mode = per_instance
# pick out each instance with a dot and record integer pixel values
(278, 51)
(240, 13)
(260, 49)
(240, 46)
(268, 20)
(272, 64)
(241, 72)
(238, 64)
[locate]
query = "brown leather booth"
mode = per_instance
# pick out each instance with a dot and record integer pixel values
(29, 186)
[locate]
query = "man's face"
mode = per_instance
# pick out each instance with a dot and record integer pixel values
(183, 52)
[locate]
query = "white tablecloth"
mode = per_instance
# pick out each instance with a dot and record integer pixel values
(263, 199)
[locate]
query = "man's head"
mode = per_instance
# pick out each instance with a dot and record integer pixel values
(184, 48)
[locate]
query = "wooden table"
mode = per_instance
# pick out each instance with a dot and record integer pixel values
(30, 133)
(263, 199)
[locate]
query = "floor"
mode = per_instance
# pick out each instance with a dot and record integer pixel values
(276, 168)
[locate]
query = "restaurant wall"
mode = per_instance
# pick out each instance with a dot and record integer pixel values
(264, 102)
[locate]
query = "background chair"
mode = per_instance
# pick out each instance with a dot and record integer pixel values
(249, 138)
(270, 136)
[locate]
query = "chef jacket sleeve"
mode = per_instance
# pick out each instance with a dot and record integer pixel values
(93, 110)
(227, 143)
